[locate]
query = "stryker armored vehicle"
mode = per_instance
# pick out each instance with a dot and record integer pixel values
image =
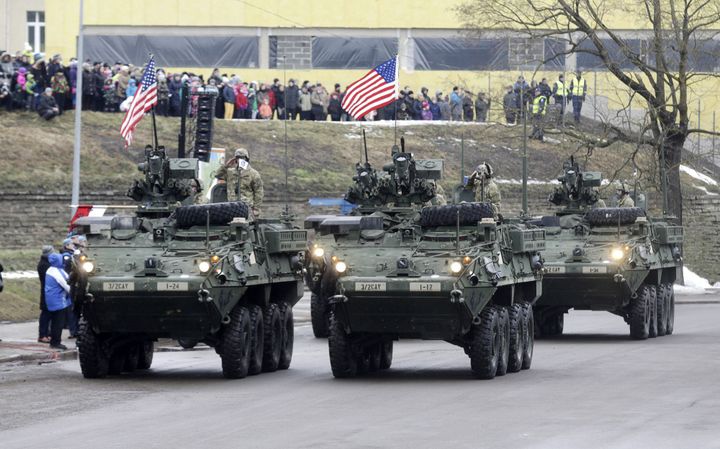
(400, 270)
(607, 258)
(207, 273)
(370, 192)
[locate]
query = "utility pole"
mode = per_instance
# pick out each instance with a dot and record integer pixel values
(78, 118)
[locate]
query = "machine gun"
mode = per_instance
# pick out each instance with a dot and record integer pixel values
(408, 181)
(577, 189)
(168, 181)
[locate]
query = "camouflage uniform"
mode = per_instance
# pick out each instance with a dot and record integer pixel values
(439, 199)
(243, 185)
(492, 194)
(626, 201)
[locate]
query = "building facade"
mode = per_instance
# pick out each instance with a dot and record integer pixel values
(23, 22)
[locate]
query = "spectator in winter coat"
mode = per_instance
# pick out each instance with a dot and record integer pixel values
(163, 94)
(292, 95)
(88, 87)
(444, 106)
(47, 108)
(265, 111)
(241, 100)
(60, 89)
(57, 298)
(456, 104)
(334, 104)
(228, 93)
(402, 113)
(467, 107)
(44, 319)
(435, 107)
(280, 102)
(426, 114)
(174, 87)
(131, 89)
(510, 106)
(320, 100)
(482, 106)
(305, 104)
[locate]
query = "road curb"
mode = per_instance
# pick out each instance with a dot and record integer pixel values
(42, 357)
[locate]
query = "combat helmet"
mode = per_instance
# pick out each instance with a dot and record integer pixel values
(242, 153)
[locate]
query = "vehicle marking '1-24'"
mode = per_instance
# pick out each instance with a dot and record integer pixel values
(172, 286)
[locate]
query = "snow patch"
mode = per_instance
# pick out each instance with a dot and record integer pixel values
(402, 123)
(353, 136)
(551, 140)
(530, 182)
(694, 284)
(704, 189)
(20, 275)
(697, 175)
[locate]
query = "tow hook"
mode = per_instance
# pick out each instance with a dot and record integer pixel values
(456, 297)
(619, 278)
(337, 299)
(204, 296)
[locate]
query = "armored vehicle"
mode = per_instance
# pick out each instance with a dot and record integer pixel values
(615, 259)
(209, 273)
(400, 270)
(370, 192)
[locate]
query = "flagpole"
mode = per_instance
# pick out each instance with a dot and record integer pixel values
(152, 110)
(75, 196)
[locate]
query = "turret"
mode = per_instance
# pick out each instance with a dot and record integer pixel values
(577, 190)
(168, 181)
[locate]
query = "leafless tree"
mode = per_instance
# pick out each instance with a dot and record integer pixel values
(661, 73)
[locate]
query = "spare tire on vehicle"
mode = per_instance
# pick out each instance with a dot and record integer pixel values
(470, 213)
(220, 213)
(612, 216)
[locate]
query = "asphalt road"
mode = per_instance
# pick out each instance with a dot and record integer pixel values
(591, 388)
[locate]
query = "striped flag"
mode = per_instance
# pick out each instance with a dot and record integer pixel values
(378, 88)
(144, 99)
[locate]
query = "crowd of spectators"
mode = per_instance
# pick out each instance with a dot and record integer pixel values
(29, 82)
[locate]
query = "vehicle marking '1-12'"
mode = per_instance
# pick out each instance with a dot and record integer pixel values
(425, 286)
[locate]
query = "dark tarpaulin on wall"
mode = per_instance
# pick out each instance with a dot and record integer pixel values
(175, 51)
(355, 53)
(460, 54)
(554, 54)
(703, 55)
(587, 61)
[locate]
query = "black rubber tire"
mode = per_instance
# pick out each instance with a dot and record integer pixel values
(550, 325)
(670, 326)
(93, 359)
(515, 343)
(236, 340)
(132, 358)
(485, 344)
(343, 360)
(504, 319)
(470, 213)
(652, 329)
(319, 316)
(220, 213)
(146, 350)
(272, 344)
(117, 362)
(609, 216)
(375, 357)
(639, 314)
(258, 337)
(288, 335)
(528, 335)
(187, 343)
(386, 354)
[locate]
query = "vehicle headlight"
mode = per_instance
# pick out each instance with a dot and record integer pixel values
(88, 266)
(617, 254)
(318, 252)
(456, 267)
(340, 266)
(204, 266)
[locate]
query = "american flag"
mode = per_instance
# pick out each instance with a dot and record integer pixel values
(378, 88)
(144, 99)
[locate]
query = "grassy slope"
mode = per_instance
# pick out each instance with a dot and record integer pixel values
(37, 157)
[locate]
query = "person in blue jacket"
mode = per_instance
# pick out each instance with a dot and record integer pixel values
(57, 298)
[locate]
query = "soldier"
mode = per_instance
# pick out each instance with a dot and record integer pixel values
(623, 195)
(485, 188)
(243, 182)
(439, 199)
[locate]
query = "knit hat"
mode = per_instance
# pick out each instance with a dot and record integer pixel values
(46, 250)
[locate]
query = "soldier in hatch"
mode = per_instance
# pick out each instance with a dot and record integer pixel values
(623, 195)
(243, 182)
(485, 188)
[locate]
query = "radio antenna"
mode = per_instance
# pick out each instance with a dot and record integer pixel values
(367, 161)
(287, 192)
